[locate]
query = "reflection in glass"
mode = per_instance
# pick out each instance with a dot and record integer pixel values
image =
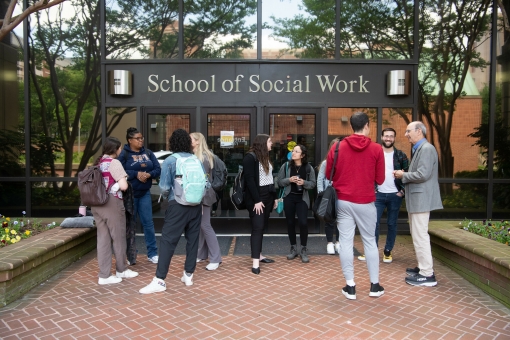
(13, 198)
(339, 122)
(462, 200)
(55, 199)
(118, 120)
(220, 29)
(142, 29)
(501, 201)
(161, 127)
(296, 29)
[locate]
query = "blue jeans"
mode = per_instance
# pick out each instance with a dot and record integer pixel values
(392, 203)
(143, 207)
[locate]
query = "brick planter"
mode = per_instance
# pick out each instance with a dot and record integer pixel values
(483, 262)
(26, 264)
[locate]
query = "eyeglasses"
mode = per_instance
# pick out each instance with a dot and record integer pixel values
(140, 139)
(407, 131)
(297, 151)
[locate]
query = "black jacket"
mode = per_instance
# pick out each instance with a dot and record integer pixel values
(252, 180)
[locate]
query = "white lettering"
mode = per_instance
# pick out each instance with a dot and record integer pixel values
(206, 85)
(307, 83)
(162, 82)
(362, 84)
(338, 86)
(175, 82)
(237, 82)
(186, 85)
(352, 82)
(213, 83)
(254, 83)
(297, 86)
(153, 83)
(327, 82)
(229, 82)
(270, 86)
(277, 89)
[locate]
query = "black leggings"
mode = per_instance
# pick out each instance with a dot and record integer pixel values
(293, 204)
(260, 222)
(330, 229)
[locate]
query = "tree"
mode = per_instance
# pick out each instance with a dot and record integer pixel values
(448, 33)
(8, 23)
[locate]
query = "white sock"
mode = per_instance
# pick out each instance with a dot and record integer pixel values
(350, 283)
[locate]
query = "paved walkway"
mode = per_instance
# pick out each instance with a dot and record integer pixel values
(288, 300)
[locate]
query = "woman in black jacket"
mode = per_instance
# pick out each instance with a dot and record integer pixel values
(260, 194)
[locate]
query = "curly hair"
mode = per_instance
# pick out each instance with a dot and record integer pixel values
(110, 147)
(180, 141)
(259, 147)
(304, 153)
(131, 132)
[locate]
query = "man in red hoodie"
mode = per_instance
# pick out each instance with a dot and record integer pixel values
(360, 164)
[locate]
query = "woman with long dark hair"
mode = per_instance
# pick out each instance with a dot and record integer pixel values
(141, 167)
(208, 246)
(296, 177)
(322, 184)
(260, 194)
(111, 218)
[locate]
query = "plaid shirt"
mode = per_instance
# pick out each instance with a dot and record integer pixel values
(400, 162)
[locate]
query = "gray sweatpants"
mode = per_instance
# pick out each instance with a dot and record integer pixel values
(208, 246)
(350, 215)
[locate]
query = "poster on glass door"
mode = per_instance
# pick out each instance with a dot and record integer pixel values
(226, 139)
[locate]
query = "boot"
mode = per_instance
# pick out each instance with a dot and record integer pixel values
(304, 255)
(293, 252)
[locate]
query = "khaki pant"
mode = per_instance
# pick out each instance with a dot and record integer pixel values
(111, 229)
(419, 225)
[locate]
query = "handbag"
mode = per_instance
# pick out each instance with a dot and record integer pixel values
(279, 207)
(324, 206)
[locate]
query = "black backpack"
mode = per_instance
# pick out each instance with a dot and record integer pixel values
(92, 187)
(324, 206)
(219, 175)
(238, 190)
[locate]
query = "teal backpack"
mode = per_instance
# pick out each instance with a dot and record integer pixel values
(190, 180)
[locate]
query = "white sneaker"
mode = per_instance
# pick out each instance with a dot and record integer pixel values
(330, 249)
(188, 280)
(362, 257)
(153, 259)
(128, 273)
(200, 260)
(212, 266)
(337, 247)
(156, 286)
(109, 280)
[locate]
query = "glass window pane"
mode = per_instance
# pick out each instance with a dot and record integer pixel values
(390, 38)
(118, 120)
(55, 199)
(139, 29)
(339, 122)
(501, 201)
(13, 198)
(220, 29)
(462, 200)
(295, 29)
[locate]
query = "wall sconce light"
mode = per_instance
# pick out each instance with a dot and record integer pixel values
(154, 125)
(120, 83)
(399, 83)
(345, 119)
(299, 119)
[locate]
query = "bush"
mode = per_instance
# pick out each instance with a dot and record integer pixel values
(498, 231)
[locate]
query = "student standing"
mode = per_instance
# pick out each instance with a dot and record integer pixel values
(110, 218)
(141, 166)
(208, 246)
(260, 195)
(297, 177)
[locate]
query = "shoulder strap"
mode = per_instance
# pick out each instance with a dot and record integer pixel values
(334, 162)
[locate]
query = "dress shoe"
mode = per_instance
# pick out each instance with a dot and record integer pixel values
(255, 270)
(266, 260)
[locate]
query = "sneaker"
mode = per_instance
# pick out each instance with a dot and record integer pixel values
(188, 280)
(127, 274)
(376, 290)
(387, 257)
(362, 257)
(212, 266)
(154, 259)
(156, 286)
(337, 247)
(349, 292)
(200, 260)
(109, 280)
(420, 280)
(412, 271)
(330, 249)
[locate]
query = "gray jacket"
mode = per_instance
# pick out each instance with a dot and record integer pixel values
(283, 181)
(421, 181)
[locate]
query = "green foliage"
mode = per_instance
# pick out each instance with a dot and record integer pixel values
(465, 199)
(13, 230)
(495, 230)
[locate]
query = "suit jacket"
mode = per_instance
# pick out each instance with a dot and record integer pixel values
(421, 181)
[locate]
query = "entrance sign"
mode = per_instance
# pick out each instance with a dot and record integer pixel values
(226, 139)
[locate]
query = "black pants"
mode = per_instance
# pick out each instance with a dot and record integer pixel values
(178, 219)
(330, 229)
(260, 222)
(293, 204)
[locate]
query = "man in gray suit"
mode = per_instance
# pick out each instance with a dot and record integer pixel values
(422, 196)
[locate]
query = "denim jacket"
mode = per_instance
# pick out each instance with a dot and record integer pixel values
(166, 180)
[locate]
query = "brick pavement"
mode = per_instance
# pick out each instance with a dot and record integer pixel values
(287, 300)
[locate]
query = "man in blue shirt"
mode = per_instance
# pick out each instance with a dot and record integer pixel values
(179, 218)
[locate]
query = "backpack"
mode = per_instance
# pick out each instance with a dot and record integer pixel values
(190, 180)
(219, 175)
(92, 187)
(238, 189)
(324, 206)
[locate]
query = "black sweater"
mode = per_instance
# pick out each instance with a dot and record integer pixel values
(252, 180)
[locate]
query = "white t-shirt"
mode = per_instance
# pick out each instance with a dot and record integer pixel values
(388, 186)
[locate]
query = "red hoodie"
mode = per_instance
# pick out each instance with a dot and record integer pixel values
(360, 164)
